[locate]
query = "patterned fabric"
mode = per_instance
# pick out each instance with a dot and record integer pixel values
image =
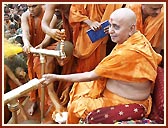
(113, 114)
(143, 121)
(157, 112)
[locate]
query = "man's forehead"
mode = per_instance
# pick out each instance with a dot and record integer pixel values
(116, 19)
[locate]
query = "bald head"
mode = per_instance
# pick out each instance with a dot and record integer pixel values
(124, 15)
(123, 25)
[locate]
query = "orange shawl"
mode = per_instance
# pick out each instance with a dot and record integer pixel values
(152, 28)
(128, 61)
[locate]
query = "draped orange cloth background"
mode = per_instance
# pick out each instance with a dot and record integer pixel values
(152, 28)
(89, 54)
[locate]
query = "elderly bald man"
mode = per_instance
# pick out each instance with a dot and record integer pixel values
(125, 76)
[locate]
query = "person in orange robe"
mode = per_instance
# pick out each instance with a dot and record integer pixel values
(82, 17)
(150, 22)
(60, 95)
(33, 36)
(125, 76)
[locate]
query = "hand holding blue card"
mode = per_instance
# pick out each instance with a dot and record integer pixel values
(96, 35)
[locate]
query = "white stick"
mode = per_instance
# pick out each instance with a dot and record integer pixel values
(22, 90)
(45, 51)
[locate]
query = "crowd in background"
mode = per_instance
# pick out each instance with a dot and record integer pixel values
(12, 22)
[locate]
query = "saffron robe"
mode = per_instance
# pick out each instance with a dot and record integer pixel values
(33, 62)
(133, 61)
(152, 28)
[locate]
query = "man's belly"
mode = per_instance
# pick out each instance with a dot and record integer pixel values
(132, 91)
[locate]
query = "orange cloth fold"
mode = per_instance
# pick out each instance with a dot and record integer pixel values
(78, 13)
(133, 61)
(89, 54)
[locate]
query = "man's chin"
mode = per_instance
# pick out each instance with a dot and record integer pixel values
(113, 39)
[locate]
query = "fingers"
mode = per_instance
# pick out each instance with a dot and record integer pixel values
(58, 35)
(26, 49)
(106, 30)
(95, 26)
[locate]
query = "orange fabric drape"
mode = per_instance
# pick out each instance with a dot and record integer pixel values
(140, 54)
(89, 54)
(138, 65)
(33, 62)
(78, 13)
(152, 28)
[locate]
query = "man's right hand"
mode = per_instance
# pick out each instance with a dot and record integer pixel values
(26, 48)
(57, 35)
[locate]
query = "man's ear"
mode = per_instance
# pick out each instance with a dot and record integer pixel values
(132, 29)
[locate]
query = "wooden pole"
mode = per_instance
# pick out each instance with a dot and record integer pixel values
(42, 61)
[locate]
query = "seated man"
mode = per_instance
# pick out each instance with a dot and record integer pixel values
(125, 76)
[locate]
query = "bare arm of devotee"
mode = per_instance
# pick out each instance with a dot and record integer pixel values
(78, 77)
(25, 31)
(47, 24)
(12, 76)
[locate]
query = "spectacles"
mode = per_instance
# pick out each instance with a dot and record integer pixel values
(33, 6)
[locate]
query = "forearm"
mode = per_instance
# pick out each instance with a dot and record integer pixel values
(13, 78)
(46, 28)
(17, 82)
(53, 96)
(26, 40)
(46, 41)
(48, 19)
(25, 29)
(78, 77)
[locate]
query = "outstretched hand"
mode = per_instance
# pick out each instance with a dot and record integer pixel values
(48, 78)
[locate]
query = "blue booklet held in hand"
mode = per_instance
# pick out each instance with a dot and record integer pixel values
(96, 35)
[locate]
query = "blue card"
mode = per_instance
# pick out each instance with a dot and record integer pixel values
(96, 35)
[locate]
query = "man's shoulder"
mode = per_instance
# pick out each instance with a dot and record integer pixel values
(26, 14)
